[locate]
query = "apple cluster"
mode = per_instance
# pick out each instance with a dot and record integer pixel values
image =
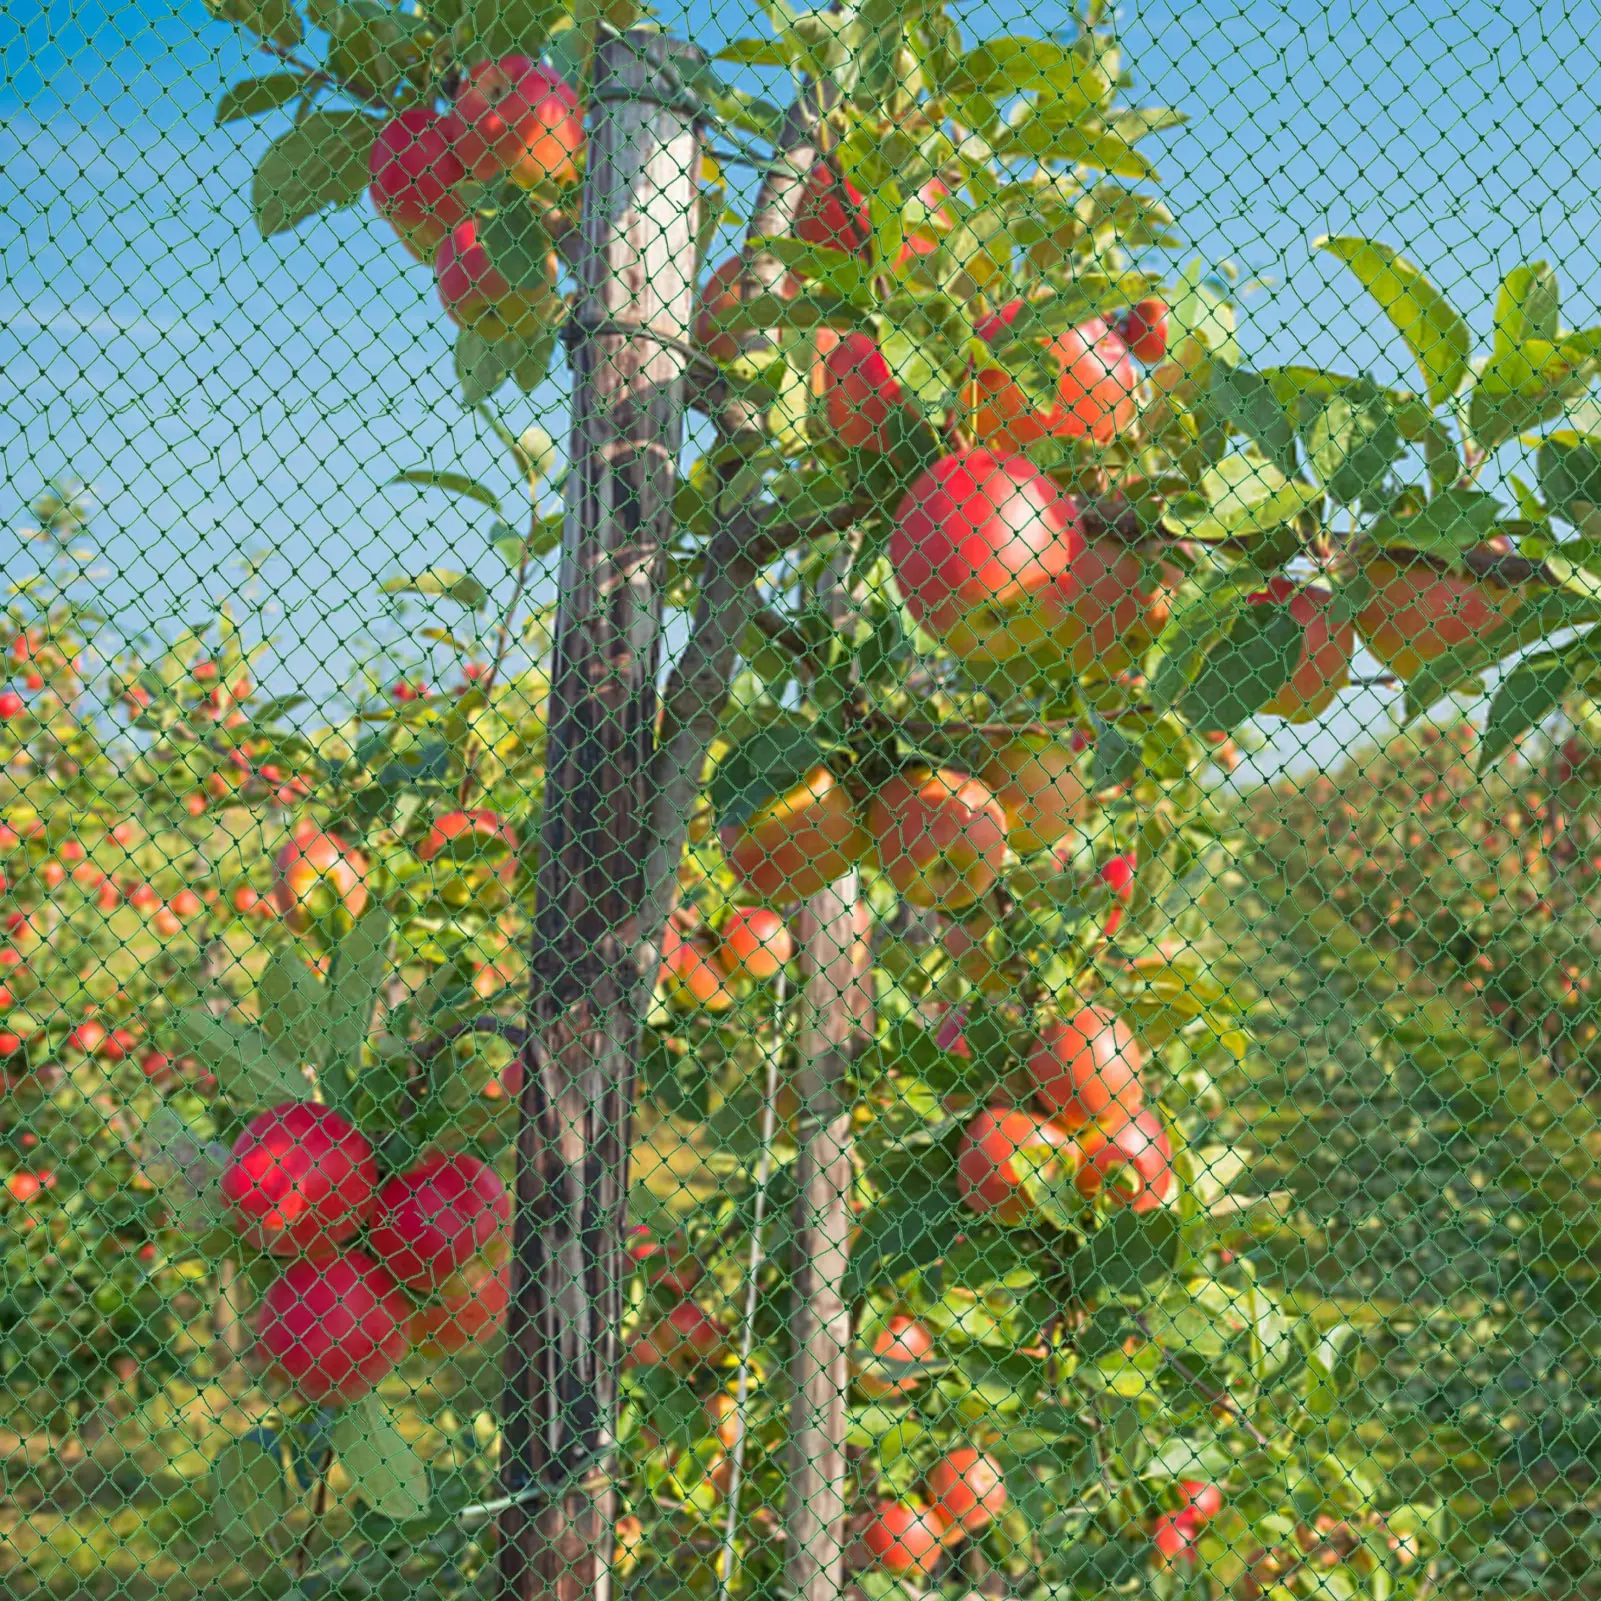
(433, 1269)
(513, 136)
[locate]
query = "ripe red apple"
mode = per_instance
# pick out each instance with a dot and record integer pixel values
(940, 836)
(1174, 1538)
(904, 1538)
(516, 117)
(1095, 394)
(1121, 604)
(1417, 613)
(1132, 1165)
(335, 1328)
(834, 213)
(479, 296)
(982, 547)
(1324, 667)
(1086, 1069)
(479, 835)
(300, 1179)
(860, 393)
(1145, 331)
(684, 1338)
(799, 842)
(754, 943)
(414, 177)
(986, 1178)
(902, 1339)
(1039, 782)
(11, 705)
(429, 1221)
(314, 873)
(1205, 1500)
(718, 296)
(690, 975)
(1119, 875)
(468, 1309)
(967, 1489)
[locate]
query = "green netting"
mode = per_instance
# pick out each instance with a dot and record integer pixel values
(799, 804)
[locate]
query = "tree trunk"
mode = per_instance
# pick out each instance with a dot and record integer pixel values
(633, 316)
(820, 1319)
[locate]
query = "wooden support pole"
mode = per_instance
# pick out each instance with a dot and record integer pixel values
(631, 323)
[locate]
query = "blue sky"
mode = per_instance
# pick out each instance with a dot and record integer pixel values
(227, 396)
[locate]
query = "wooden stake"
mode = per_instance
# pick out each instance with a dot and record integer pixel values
(632, 321)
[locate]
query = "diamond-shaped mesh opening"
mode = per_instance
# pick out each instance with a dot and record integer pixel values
(799, 804)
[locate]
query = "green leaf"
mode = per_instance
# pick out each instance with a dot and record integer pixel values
(360, 966)
(1354, 443)
(384, 1469)
(1041, 138)
(1247, 497)
(1245, 669)
(272, 19)
(1456, 520)
(1130, 1252)
(1332, 1364)
(1524, 384)
(1202, 616)
(291, 997)
(1569, 468)
(1528, 305)
(762, 765)
(756, 53)
(518, 246)
(455, 483)
(1530, 693)
(1202, 308)
(250, 1069)
(257, 96)
(442, 582)
(482, 365)
(249, 1503)
(1015, 64)
(906, 1233)
(1435, 332)
(320, 162)
(1246, 402)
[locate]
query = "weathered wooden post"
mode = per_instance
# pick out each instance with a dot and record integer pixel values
(628, 334)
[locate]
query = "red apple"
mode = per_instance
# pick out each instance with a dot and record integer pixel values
(986, 1179)
(1324, 667)
(754, 943)
(904, 1538)
(902, 1339)
(429, 1221)
(690, 975)
(1039, 782)
(1132, 1165)
(333, 1329)
(1417, 613)
(940, 836)
(1145, 331)
(835, 214)
(967, 1489)
(479, 296)
(799, 842)
(1095, 394)
(475, 835)
(516, 117)
(860, 393)
(468, 1309)
(300, 1179)
(1119, 875)
(1086, 1069)
(414, 177)
(314, 873)
(11, 705)
(982, 548)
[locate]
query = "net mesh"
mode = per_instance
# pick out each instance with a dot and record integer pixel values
(799, 803)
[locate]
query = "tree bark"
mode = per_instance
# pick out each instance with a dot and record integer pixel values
(820, 1318)
(632, 319)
